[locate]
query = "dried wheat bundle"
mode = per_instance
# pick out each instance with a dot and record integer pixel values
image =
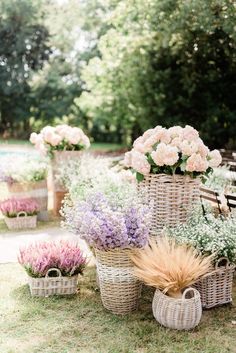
(169, 266)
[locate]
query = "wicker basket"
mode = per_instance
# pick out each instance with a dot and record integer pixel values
(120, 289)
(61, 285)
(178, 314)
(22, 221)
(215, 288)
(171, 198)
(37, 191)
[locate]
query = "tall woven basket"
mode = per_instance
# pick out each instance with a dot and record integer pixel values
(215, 288)
(46, 286)
(120, 289)
(22, 221)
(171, 198)
(179, 314)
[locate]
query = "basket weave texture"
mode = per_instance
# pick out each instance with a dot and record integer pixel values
(34, 190)
(61, 285)
(120, 289)
(21, 221)
(215, 288)
(171, 197)
(179, 314)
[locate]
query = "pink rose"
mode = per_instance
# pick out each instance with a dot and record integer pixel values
(128, 159)
(140, 163)
(138, 140)
(195, 163)
(214, 158)
(55, 140)
(176, 142)
(33, 138)
(202, 149)
(175, 132)
(140, 147)
(189, 133)
(147, 134)
(188, 148)
(165, 155)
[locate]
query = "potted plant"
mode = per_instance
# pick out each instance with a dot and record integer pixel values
(52, 267)
(60, 143)
(20, 213)
(172, 268)
(113, 225)
(216, 236)
(168, 164)
(26, 178)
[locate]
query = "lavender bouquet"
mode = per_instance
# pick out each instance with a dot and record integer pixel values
(106, 222)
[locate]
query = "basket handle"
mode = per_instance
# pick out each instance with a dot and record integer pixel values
(22, 213)
(187, 290)
(217, 265)
(55, 270)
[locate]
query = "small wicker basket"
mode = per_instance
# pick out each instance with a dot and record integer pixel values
(179, 314)
(21, 221)
(46, 286)
(215, 288)
(171, 197)
(120, 289)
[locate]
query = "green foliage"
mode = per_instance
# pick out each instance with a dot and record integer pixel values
(23, 50)
(162, 63)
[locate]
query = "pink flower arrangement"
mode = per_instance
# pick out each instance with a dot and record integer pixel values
(11, 207)
(174, 150)
(38, 258)
(59, 138)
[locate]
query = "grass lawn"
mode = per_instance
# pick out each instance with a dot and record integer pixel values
(80, 324)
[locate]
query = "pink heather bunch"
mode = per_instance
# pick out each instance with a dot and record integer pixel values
(60, 138)
(176, 150)
(11, 207)
(38, 258)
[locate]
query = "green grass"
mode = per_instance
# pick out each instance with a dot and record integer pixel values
(96, 146)
(80, 323)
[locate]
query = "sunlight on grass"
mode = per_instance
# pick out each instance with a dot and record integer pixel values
(80, 324)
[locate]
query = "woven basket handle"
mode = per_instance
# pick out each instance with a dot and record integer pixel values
(22, 213)
(187, 290)
(222, 259)
(55, 270)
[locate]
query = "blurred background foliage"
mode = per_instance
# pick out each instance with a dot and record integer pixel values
(118, 67)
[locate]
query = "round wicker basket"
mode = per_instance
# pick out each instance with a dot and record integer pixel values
(179, 314)
(120, 289)
(215, 288)
(171, 197)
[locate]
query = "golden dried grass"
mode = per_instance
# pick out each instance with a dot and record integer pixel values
(169, 266)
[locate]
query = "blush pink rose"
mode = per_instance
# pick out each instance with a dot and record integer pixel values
(175, 132)
(33, 138)
(176, 142)
(165, 155)
(214, 158)
(202, 148)
(195, 163)
(140, 163)
(55, 140)
(190, 134)
(128, 159)
(188, 148)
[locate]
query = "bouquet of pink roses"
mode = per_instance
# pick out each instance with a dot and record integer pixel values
(60, 138)
(175, 150)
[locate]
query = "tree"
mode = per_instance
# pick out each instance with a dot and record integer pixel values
(163, 63)
(23, 50)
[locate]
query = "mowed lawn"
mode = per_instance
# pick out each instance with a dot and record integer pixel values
(80, 323)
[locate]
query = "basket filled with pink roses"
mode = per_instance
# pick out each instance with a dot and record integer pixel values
(169, 164)
(61, 143)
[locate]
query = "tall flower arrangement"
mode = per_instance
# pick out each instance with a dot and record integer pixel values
(175, 150)
(59, 138)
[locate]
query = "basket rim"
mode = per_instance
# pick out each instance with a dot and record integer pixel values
(178, 300)
(49, 278)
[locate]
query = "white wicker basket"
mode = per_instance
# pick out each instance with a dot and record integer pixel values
(120, 289)
(178, 314)
(215, 288)
(171, 197)
(21, 221)
(46, 286)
